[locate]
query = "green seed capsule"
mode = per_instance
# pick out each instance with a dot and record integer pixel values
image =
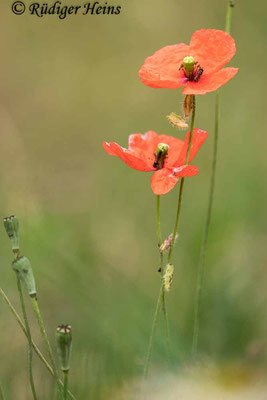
(11, 225)
(64, 345)
(22, 267)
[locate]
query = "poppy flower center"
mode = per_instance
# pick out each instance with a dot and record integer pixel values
(191, 68)
(160, 155)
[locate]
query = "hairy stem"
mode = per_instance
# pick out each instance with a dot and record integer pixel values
(28, 334)
(203, 250)
(66, 382)
(179, 205)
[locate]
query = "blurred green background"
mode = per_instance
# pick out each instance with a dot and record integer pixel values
(88, 221)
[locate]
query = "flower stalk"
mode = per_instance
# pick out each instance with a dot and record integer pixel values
(28, 334)
(179, 206)
(203, 250)
(161, 300)
(46, 340)
(64, 346)
(34, 345)
(24, 274)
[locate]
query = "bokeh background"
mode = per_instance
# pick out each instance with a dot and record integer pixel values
(88, 221)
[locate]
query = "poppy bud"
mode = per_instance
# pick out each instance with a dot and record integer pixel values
(64, 345)
(168, 277)
(188, 105)
(22, 267)
(161, 154)
(11, 225)
(167, 243)
(189, 65)
(177, 121)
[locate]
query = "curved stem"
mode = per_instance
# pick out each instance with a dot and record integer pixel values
(46, 340)
(66, 382)
(202, 257)
(182, 182)
(35, 347)
(28, 334)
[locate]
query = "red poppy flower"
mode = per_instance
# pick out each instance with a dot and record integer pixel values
(142, 156)
(211, 49)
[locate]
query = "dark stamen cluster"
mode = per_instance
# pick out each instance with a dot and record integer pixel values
(195, 74)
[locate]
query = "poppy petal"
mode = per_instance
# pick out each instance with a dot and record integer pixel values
(164, 180)
(176, 146)
(212, 49)
(198, 139)
(144, 146)
(161, 70)
(211, 82)
(126, 156)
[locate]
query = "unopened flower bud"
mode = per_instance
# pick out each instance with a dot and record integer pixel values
(168, 277)
(11, 225)
(189, 65)
(161, 154)
(177, 121)
(188, 105)
(22, 267)
(64, 345)
(167, 243)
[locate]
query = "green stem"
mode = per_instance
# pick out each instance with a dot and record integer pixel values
(165, 315)
(35, 347)
(66, 381)
(229, 16)
(182, 182)
(158, 222)
(28, 334)
(46, 340)
(163, 298)
(203, 250)
(154, 324)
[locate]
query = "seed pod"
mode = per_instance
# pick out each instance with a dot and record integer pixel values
(11, 225)
(168, 277)
(64, 345)
(177, 121)
(188, 105)
(188, 67)
(160, 155)
(22, 267)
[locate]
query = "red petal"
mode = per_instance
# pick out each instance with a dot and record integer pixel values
(164, 180)
(211, 82)
(161, 70)
(198, 139)
(212, 49)
(126, 156)
(144, 146)
(176, 146)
